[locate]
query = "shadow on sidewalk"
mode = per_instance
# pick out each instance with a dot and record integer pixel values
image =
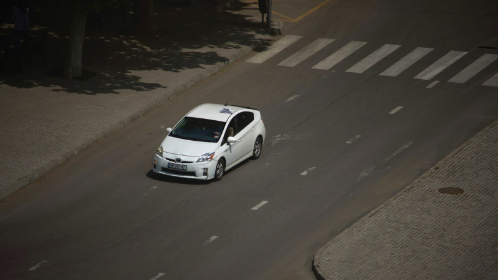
(190, 38)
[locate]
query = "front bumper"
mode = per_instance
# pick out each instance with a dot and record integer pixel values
(194, 170)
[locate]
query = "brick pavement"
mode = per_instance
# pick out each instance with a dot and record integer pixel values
(47, 120)
(424, 234)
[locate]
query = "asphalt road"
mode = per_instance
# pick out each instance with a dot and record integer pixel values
(104, 215)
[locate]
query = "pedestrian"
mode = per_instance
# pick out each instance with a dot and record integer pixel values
(21, 26)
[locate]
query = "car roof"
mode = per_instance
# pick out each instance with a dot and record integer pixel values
(212, 111)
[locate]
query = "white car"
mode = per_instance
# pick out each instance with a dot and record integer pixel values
(210, 140)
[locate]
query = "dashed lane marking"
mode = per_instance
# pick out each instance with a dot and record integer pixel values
(157, 276)
(353, 139)
(307, 171)
(432, 84)
(211, 239)
(259, 205)
(37, 266)
(370, 170)
(395, 110)
(404, 147)
(291, 98)
(151, 189)
(367, 171)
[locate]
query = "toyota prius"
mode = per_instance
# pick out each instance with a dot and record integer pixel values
(210, 140)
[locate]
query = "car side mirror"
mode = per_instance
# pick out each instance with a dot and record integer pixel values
(231, 139)
(169, 129)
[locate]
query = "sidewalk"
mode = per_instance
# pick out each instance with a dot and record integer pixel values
(422, 233)
(47, 120)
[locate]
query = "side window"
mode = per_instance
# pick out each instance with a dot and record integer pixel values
(231, 130)
(244, 119)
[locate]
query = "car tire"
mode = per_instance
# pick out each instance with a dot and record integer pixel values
(220, 170)
(258, 147)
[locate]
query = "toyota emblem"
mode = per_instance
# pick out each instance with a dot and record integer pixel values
(178, 159)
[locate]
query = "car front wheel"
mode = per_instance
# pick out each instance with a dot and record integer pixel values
(220, 170)
(258, 146)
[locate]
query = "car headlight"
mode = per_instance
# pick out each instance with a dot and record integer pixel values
(206, 157)
(159, 151)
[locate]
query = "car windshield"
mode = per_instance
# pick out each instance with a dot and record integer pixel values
(198, 130)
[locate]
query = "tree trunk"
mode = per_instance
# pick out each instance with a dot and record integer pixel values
(143, 18)
(76, 39)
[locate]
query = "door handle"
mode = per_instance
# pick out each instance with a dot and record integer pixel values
(252, 129)
(240, 140)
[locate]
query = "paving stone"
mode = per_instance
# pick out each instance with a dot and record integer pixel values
(424, 234)
(48, 119)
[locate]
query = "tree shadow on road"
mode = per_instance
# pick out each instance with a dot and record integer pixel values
(190, 38)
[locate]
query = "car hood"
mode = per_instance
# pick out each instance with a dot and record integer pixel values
(184, 147)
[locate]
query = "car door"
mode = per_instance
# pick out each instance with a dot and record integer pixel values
(245, 122)
(232, 151)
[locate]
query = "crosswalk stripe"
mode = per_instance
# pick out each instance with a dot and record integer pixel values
(339, 55)
(474, 68)
(440, 65)
(492, 82)
(274, 49)
(306, 52)
(406, 62)
(373, 58)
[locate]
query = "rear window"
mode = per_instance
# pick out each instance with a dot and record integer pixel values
(196, 129)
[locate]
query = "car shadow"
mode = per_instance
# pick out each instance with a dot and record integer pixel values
(186, 181)
(233, 169)
(175, 180)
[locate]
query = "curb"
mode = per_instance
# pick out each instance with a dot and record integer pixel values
(55, 163)
(317, 270)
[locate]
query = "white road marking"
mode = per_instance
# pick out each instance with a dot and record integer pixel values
(441, 64)
(274, 49)
(339, 55)
(492, 82)
(37, 266)
(306, 52)
(287, 136)
(291, 98)
(157, 276)
(406, 62)
(395, 110)
(474, 68)
(259, 205)
(151, 189)
(307, 171)
(432, 84)
(397, 152)
(367, 171)
(370, 170)
(211, 239)
(352, 139)
(373, 58)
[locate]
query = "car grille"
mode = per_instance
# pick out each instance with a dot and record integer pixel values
(187, 173)
(172, 160)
